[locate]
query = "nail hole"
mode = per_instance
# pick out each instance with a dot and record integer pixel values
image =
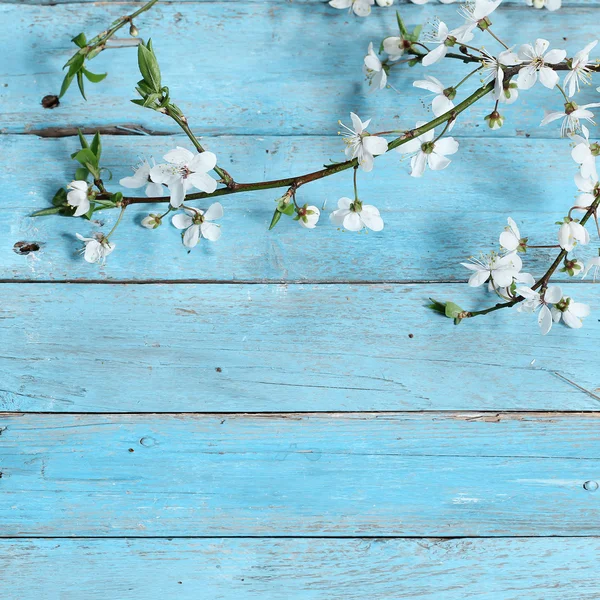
(218, 370)
(590, 486)
(411, 336)
(25, 248)
(131, 450)
(50, 101)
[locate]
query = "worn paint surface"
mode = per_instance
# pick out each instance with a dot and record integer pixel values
(377, 432)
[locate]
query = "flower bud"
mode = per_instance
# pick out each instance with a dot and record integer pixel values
(133, 30)
(571, 266)
(495, 120)
(152, 221)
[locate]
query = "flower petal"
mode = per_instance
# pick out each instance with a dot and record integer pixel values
(210, 231)
(191, 236)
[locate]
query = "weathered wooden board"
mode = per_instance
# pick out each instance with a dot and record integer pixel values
(257, 68)
(301, 475)
(432, 224)
(314, 569)
(229, 348)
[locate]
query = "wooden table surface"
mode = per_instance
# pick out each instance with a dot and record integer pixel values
(276, 416)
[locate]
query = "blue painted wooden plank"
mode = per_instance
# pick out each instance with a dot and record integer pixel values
(287, 68)
(432, 224)
(285, 569)
(120, 348)
(311, 475)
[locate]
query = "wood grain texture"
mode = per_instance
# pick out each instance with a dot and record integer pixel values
(300, 65)
(301, 475)
(432, 224)
(316, 569)
(230, 348)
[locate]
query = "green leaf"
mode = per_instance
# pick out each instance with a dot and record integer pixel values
(80, 84)
(77, 63)
(81, 174)
(439, 307)
(286, 209)
(414, 37)
(401, 25)
(82, 141)
(138, 101)
(149, 66)
(60, 198)
(453, 310)
(94, 77)
(275, 219)
(80, 40)
(85, 156)
(65, 84)
(46, 211)
(96, 146)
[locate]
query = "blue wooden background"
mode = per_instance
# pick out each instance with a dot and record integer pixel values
(276, 416)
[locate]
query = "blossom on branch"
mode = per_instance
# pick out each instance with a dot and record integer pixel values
(79, 197)
(362, 145)
(197, 223)
(502, 270)
(442, 101)
(584, 153)
(96, 248)
(184, 171)
(570, 312)
(361, 8)
(428, 151)
(535, 301)
(537, 60)
(354, 215)
(141, 178)
(571, 116)
(374, 70)
(579, 71)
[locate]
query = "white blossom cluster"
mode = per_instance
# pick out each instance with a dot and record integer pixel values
(362, 8)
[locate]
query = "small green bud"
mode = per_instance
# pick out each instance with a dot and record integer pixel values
(152, 221)
(494, 120)
(133, 30)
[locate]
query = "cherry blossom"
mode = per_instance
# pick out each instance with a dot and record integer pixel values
(152, 221)
(571, 312)
(184, 171)
(362, 145)
(198, 223)
(428, 151)
(537, 60)
(592, 263)
(579, 71)
(374, 70)
(308, 216)
(79, 197)
(442, 101)
(354, 215)
(584, 153)
(439, 36)
(141, 178)
(571, 116)
(535, 301)
(510, 238)
(475, 14)
(571, 233)
(551, 5)
(96, 248)
(502, 270)
(589, 188)
(361, 8)
(395, 47)
(493, 69)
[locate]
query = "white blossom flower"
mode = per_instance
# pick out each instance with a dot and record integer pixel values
(308, 216)
(96, 248)
(198, 223)
(570, 312)
(361, 8)
(535, 301)
(142, 178)
(570, 233)
(152, 221)
(593, 263)
(428, 151)
(510, 92)
(571, 116)
(361, 144)
(184, 171)
(584, 154)
(442, 101)
(537, 60)
(502, 270)
(374, 70)
(510, 238)
(395, 47)
(78, 196)
(493, 70)
(354, 215)
(589, 188)
(474, 13)
(551, 5)
(439, 36)
(579, 71)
